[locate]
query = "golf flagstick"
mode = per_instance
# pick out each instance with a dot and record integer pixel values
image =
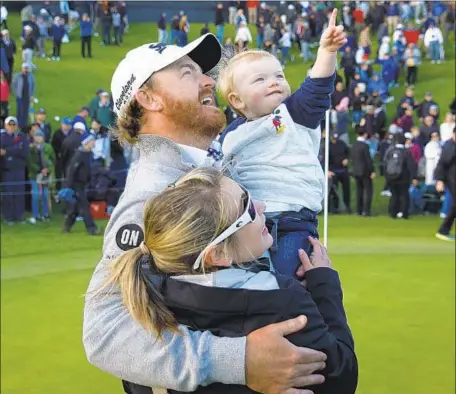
(325, 209)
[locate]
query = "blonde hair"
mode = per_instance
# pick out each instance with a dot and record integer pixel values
(183, 22)
(179, 223)
(225, 84)
(130, 119)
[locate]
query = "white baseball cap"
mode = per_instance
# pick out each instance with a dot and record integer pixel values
(10, 119)
(140, 63)
(79, 126)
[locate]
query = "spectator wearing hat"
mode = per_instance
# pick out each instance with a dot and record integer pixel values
(45, 127)
(424, 107)
(14, 151)
(78, 177)
(28, 46)
(24, 90)
(10, 51)
(405, 102)
(57, 145)
(339, 154)
(57, 33)
(71, 144)
(86, 27)
(4, 98)
(104, 112)
(40, 167)
(406, 121)
(81, 117)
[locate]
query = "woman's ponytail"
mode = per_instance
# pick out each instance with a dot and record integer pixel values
(145, 303)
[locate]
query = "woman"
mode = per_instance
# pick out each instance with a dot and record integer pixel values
(4, 98)
(182, 35)
(432, 152)
(412, 60)
(446, 128)
(198, 267)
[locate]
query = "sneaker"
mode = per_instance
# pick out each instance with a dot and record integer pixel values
(46, 219)
(79, 219)
(442, 215)
(385, 193)
(32, 220)
(445, 237)
(10, 223)
(432, 61)
(400, 215)
(94, 231)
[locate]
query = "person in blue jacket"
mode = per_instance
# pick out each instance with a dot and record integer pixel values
(86, 27)
(389, 70)
(57, 32)
(14, 150)
(377, 84)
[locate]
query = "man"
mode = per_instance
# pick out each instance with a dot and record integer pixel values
(57, 144)
(78, 178)
(220, 22)
(400, 173)
(363, 170)
(81, 117)
(445, 174)
(86, 26)
(45, 127)
(338, 168)
(14, 151)
(164, 102)
(24, 90)
(71, 144)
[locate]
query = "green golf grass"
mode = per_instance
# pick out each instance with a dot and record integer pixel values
(398, 279)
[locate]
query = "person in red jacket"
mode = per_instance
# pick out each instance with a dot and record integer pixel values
(4, 97)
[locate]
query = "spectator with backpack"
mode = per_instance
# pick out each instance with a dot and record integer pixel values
(400, 172)
(445, 175)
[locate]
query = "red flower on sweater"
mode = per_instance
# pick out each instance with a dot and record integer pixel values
(17, 139)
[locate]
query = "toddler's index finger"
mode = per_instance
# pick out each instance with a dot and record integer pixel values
(332, 20)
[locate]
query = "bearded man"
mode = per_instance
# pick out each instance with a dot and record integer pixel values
(166, 106)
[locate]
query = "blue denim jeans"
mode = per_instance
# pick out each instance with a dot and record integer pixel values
(447, 202)
(434, 49)
(39, 192)
(290, 231)
(220, 33)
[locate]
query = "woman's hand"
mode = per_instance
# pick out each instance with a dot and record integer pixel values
(319, 258)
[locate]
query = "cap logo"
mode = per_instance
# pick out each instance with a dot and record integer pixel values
(125, 93)
(159, 47)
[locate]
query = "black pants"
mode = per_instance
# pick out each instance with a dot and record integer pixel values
(81, 207)
(363, 194)
(399, 201)
(9, 76)
(344, 179)
(411, 75)
(447, 223)
(348, 77)
(59, 174)
(86, 42)
(56, 48)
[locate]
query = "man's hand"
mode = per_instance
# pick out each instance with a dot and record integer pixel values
(2, 152)
(330, 174)
(372, 176)
(345, 162)
(276, 366)
(440, 186)
(333, 37)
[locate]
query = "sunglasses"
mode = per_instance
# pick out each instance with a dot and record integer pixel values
(249, 215)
